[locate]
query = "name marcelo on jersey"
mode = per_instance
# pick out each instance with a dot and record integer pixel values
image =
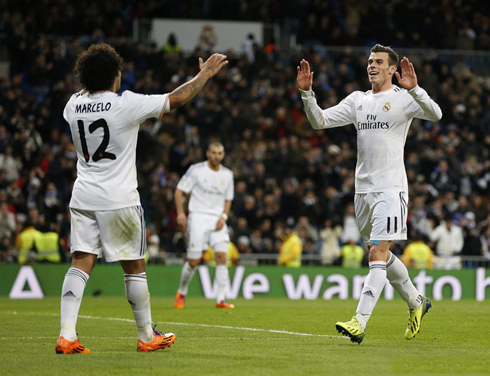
(371, 123)
(92, 107)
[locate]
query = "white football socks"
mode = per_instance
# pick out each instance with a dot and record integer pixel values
(397, 274)
(222, 280)
(71, 298)
(139, 299)
(186, 277)
(371, 291)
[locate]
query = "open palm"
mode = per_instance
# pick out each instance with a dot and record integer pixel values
(305, 76)
(408, 78)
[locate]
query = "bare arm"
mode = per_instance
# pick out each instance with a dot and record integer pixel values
(184, 93)
(226, 212)
(179, 205)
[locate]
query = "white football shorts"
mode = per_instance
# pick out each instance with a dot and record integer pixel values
(381, 215)
(201, 234)
(117, 234)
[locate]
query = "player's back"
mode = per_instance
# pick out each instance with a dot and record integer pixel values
(104, 128)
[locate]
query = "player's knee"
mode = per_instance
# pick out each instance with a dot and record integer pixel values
(193, 262)
(83, 261)
(220, 250)
(379, 251)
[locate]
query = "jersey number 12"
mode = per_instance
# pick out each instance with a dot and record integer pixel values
(100, 153)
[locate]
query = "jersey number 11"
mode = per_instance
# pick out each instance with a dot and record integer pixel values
(100, 153)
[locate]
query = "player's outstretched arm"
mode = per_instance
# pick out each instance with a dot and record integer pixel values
(184, 93)
(335, 116)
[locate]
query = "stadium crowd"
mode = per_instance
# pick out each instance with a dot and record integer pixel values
(445, 24)
(286, 173)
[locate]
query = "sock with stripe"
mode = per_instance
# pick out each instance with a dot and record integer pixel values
(371, 291)
(397, 274)
(71, 299)
(222, 278)
(139, 299)
(185, 278)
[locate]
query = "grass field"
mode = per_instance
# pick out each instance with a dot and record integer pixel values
(454, 339)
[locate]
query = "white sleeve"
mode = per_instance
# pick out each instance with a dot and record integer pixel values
(187, 182)
(66, 109)
(230, 190)
(335, 116)
(422, 106)
(141, 107)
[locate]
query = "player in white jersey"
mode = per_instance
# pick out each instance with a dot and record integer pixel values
(106, 214)
(382, 117)
(210, 186)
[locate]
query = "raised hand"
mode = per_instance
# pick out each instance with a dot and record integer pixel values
(213, 64)
(185, 92)
(305, 77)
(408, 78)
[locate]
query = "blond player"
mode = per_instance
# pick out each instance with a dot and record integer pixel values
(211, 189)
(381, 117)
(106, 214)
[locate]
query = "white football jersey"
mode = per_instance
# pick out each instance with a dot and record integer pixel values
(382, 121)
(209, 189)
(104, 127)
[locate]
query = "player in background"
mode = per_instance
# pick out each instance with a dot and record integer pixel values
(106, 214)
(211, 189)
(382, 117)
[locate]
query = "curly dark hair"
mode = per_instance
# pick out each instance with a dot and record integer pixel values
(98, 67)
(393, 58)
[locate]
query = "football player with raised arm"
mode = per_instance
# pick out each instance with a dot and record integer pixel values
(382, 117)
(106, 214)
(211, 189)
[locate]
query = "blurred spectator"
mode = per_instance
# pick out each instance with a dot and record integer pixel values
(352, 255)
(417, 254)
(448, 238)
(291, 248)
(350, 230)
(330, 237)
(8, 223)
(26, 243)
(310, 232)
(244, 245)
(172, 49)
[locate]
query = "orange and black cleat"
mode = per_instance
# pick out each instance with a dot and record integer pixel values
(225, 304)
(159, 341)
(64, 346)
(179, 300)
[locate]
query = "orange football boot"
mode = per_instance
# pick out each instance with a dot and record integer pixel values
(159, 341)
(179, 300)
(225, 304)
(64, 346)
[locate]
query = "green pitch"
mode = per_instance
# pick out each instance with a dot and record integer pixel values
(454, 339)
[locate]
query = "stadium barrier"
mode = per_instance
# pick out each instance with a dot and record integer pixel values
(37, 281)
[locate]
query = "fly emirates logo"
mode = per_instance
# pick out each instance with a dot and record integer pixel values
(372, 123)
